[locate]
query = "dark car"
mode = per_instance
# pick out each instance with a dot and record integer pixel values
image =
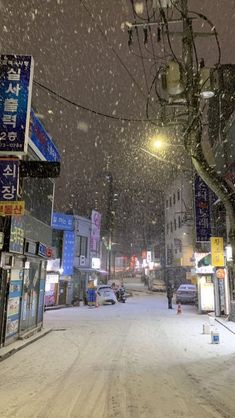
(186, 293)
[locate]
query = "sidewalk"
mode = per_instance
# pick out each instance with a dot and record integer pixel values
(18, 345)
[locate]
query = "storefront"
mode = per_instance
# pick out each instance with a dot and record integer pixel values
(22, 307)
(23, 276)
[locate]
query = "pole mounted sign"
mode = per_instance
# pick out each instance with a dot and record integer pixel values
(16, 77)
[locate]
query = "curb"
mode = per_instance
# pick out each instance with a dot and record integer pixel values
(56, 307)
(25, 344)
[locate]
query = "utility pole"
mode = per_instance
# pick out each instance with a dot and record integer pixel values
(109, 178)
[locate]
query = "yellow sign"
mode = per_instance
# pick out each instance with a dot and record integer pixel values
(15, 208)
(217, 252)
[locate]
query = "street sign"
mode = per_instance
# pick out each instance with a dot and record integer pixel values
(16, 78)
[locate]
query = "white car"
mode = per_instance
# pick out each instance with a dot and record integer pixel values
(105, 294)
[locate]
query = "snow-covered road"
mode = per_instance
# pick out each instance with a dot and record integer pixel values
(133, 360)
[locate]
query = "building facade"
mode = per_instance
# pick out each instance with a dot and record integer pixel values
(179, 230)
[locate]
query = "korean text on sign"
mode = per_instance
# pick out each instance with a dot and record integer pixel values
(16, 72)
(9, 178)
(12, 208)
(217, 251)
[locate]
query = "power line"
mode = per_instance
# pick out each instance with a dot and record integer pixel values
(77, 105)
(112, 49)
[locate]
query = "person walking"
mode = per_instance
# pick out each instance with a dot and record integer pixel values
(169, 294)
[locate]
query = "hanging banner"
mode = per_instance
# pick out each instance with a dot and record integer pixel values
(202, 210)
(95, 231)
(16, 78)
(217, 251)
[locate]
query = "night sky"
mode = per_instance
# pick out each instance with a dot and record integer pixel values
(81, 52)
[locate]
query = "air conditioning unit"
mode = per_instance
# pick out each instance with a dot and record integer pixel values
(82, 260)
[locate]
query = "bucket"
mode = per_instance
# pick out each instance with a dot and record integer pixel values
(214, 337)
(206, 328)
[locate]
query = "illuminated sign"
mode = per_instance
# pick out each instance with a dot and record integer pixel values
(44, 251)
(16, 78)
(16, 208)
(95, 263)
(16, 244)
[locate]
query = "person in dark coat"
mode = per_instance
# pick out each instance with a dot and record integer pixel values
(169, 294)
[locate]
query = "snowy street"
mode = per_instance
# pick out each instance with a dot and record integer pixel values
(137, 359)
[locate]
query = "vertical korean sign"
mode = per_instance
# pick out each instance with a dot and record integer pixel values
(9, 181)
(16, 77)
(217, 251)
(202, 210)
(68, 252)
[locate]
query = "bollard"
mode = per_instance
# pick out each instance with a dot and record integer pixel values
(206, 328)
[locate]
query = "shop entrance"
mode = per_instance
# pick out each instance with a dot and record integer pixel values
(63, 292)
(31, 288)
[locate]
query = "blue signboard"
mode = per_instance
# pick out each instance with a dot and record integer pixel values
(62, 222)
(9, 175)
(202, 210)
(16, 77)
(68, 252)
(40, 141)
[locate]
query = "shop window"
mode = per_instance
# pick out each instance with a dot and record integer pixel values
(82, 245)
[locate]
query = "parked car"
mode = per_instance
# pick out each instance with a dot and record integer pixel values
(156, 285)
(105, 294)
(186, 293)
